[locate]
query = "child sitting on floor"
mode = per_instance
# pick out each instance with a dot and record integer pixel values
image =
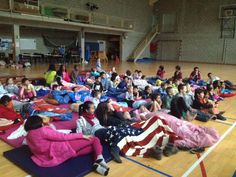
(96, 97)
(51, 148)
(140, 74)
(212, 94)
(97, 84)
(156, 103)
(162, 89)
(137, 94)
(94, 72)
(195, 77)
(135, 74)
(161, 72)
(75, 75)
(2, 90)
(216, 89)
(168, 97)
(228, 84)
(147, 92)
(7, 112)
(189, 95)
(177, 74)
(114, 81)
(129, 96)
(10, 87)
(224, 92)
(27, 90)
(129, 74)
(104, 81)
(50, 75)
(202, 102)
(124, 83)
(62, 72)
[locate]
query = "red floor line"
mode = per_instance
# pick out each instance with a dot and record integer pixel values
(202, 166)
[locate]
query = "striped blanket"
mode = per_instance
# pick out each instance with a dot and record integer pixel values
(156, 132)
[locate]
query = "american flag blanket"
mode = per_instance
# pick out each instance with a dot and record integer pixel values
(143, 136)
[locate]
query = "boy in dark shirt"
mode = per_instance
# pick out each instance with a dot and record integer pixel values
(97, 84)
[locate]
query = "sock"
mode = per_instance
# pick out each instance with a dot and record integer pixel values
(100, 169)
(100, 160)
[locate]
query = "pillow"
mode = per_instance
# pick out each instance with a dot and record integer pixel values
(5, 122)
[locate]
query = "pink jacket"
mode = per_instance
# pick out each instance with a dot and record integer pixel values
(66, 76)
(49, 147)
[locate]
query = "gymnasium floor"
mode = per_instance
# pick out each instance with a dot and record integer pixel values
(219, 163)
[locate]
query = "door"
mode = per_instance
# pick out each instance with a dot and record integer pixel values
(169, 50)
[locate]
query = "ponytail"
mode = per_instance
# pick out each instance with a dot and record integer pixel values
(84, 107)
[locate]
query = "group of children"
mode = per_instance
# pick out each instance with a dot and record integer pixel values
(107, 121)
(24, 90)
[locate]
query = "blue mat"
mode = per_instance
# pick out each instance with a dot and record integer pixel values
(234, 174)
(146, 60)
(76, 167)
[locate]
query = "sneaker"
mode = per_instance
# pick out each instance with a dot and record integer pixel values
(221, 112)
(220, 117)
(115, 153)
(170, 149)
(100, 169)
(156, 153)
(213, 117)
(102, 163)
(184, 148)
(196, 150)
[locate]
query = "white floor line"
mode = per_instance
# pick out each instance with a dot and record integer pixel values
(230, 118)
(224, 122)
(190, 170)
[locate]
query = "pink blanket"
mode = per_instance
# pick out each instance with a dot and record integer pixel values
(193, 136)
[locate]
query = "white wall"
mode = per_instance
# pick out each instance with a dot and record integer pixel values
(198, 26)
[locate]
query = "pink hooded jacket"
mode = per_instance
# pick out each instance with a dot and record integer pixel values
(49, 147)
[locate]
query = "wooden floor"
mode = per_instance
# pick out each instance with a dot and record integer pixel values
(220, 162)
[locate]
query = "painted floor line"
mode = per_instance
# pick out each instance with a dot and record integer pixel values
(224, 122)
(231, 118)
(202, 166)
(191, 169)
(150, 168)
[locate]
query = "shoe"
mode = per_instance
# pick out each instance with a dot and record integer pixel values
(196, 150)
(213, 117)
(102, 162)
(156, 153)
(100, 169)
(170, 149)
(115, 153)
(220, 117)
(221, 112)
(183, 148)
